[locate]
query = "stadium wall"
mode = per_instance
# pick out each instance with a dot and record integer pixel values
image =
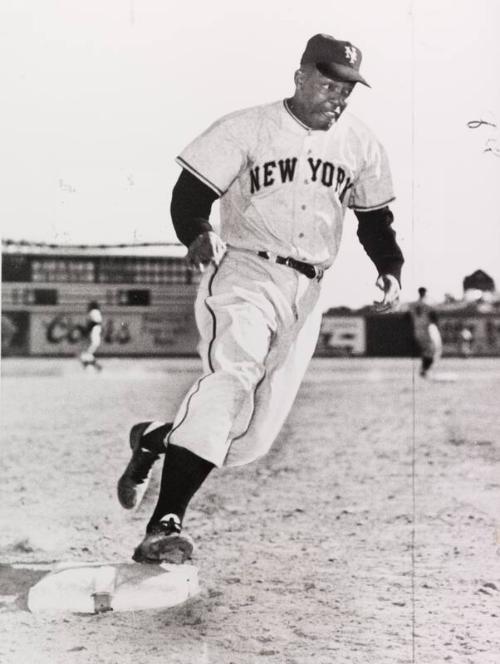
(171, 331)
(162, 330)
(391, 335)
(147, 293)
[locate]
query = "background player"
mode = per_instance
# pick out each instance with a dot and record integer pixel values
(426, 332)
(93, 334)
(466, 341)
(285, 173)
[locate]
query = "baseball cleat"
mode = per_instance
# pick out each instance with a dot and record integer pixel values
(164, 543)
(133, 483)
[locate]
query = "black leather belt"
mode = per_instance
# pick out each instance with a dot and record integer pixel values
(310, 271)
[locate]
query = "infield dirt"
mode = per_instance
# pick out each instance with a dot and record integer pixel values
(369, 535)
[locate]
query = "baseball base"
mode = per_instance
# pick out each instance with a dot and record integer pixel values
(99, 587)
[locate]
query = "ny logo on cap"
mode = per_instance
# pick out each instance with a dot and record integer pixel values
(351, 54)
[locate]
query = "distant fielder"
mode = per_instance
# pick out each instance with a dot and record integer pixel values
(426, 331)
(285, 173)
(94, 333)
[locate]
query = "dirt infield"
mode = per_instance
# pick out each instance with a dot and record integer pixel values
(315, 554)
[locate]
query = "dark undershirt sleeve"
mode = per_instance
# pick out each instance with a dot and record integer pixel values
(190, 207)
(379, 240)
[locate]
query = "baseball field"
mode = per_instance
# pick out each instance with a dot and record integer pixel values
(370, 534)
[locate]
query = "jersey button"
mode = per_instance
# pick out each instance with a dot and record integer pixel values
(303, 207)
(306, 181)
(301, 234)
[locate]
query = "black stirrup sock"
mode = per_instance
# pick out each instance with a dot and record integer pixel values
(154, 440)
(183, 474)
(427, 363)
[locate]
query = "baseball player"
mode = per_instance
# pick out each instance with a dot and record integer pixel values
(466, 341)
(285, 173)
(426, 332)
(93, 334)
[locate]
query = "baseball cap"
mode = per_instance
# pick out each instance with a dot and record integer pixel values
(334, 58)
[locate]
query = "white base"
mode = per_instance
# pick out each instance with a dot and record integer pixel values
(81, 587)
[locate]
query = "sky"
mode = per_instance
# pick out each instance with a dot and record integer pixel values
(98, 97)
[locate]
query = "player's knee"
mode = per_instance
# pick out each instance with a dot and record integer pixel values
(245, 376)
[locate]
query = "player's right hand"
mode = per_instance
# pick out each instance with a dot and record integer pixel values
(207, 248)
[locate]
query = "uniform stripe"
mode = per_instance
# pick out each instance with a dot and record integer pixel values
(373, 207)
(212, 341)
(289, 111)
(200, 380)
(211, 366)
(214, 331)
(214, 321)
(197, 174)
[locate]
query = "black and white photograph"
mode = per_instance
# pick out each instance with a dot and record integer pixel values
(250, 307)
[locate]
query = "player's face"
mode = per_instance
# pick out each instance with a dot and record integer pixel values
(319, 99)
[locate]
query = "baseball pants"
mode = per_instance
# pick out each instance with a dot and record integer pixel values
(258, 323)
(430, 343)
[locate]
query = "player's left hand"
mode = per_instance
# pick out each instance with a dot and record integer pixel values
(390, 286)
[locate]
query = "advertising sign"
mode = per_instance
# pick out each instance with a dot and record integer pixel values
(164, 333)
(343, 335)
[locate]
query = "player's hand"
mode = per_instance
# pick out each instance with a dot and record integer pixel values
(390, 286)
(207, 248)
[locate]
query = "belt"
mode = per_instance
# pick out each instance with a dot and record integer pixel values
(310, 271)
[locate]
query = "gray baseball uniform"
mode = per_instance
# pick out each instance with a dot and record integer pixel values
(284, 191)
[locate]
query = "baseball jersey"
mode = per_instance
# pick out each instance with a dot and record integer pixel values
(94, 317)
(420, 312)
(284, 187)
